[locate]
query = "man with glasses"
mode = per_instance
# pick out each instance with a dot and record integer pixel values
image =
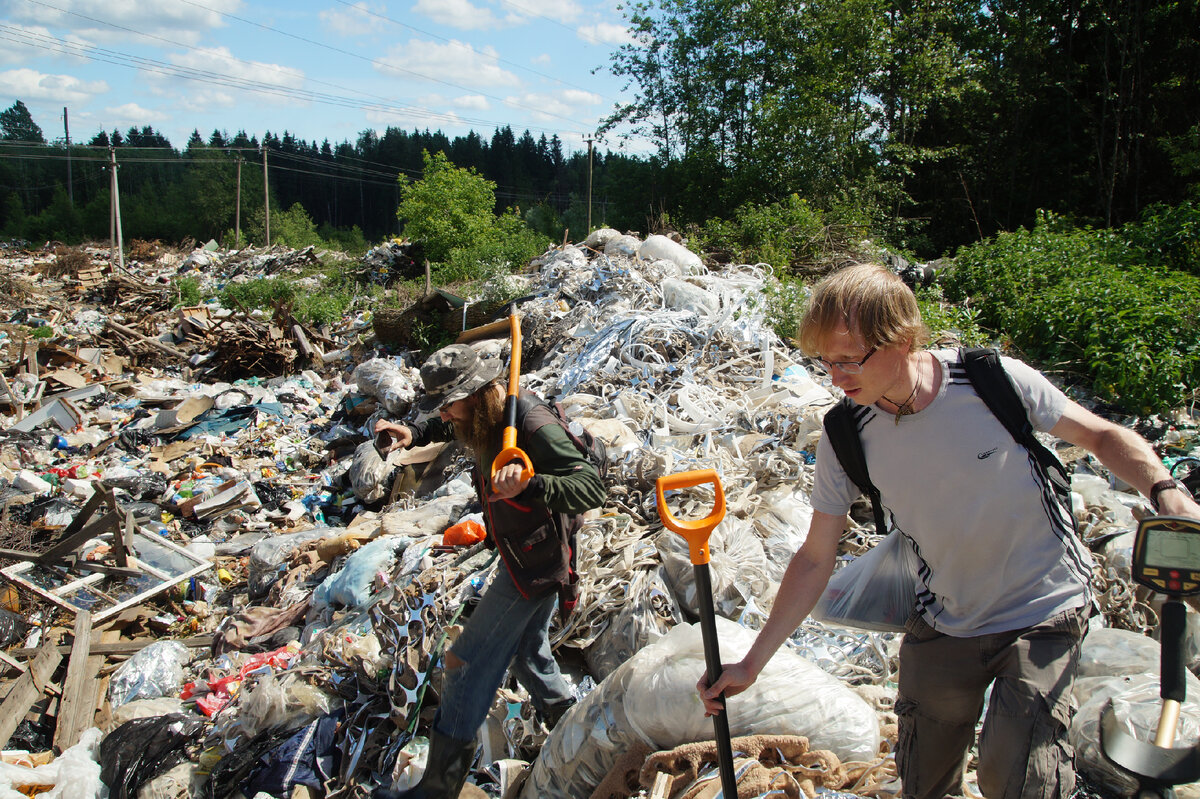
(531, 522)
(1003, 595)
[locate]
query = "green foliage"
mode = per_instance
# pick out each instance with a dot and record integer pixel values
(12, 216)
(1169, 236)
(44, 331)
(507, 247)
(448, 208)
(60, 221)
(263, 293)
(782, 234)
(946, 321)
(16, 124)
(188, 291)
(294, 228)
(351, 242)
(785, 301)
(1085, 301)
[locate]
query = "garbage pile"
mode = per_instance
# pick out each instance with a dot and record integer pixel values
(217, 585)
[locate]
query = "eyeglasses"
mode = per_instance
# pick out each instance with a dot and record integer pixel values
(846, 367)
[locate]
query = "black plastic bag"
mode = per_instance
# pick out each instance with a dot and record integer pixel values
(141, 749)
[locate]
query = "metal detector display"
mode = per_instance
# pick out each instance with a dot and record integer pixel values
(1166, 555)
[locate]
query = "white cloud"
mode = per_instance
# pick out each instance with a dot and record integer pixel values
(605, 33)
(126, 19)
(543, 59)
(454, 62)
(218, 75)
(557, 10)
(460, 14)
(472, 102)
(357, 20)
(415, 118)
(553, 107)
(28, 84)
(128, 115)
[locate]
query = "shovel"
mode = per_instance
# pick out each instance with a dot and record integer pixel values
(509, 451)
(696, 533)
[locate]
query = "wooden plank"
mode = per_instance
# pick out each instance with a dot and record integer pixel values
(28, 689)
(78, 706)
(123, 647)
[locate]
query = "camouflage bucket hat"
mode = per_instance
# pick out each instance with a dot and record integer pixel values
(453, 373)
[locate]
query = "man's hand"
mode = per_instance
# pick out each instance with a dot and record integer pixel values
(734, 679)
(400, 435)
(507, 482)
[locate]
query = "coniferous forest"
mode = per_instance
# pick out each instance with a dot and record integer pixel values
(932, 125)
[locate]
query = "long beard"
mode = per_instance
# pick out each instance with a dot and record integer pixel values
(481, 433)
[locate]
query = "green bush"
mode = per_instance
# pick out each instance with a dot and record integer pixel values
(294, 228)
(262, 293)
(1088, 302)
(1169, 236)
(448, 208)
(187, 290)
(782, 234)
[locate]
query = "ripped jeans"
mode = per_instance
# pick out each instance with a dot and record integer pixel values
(504, 627)
(1023, 749)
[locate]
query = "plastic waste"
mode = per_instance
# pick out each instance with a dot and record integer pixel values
(350, 586)
(384, 379)
(268, 556)
(141, 749)
(465, 533)
(155, 670)
(651, 699)
(875, 591)
(74, 774)
(657, 246)
(369, 473)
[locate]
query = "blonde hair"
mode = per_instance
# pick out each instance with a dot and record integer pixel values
(869, 299)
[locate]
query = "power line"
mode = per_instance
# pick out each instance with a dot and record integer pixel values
(383, 64)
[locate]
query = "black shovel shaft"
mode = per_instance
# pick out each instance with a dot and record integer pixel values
(712, 662)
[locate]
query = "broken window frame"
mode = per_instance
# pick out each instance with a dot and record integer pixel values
(96, 582)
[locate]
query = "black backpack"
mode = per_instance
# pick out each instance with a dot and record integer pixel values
(588, 445)
(993, 386)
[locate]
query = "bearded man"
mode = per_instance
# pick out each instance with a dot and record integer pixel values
(531, 520)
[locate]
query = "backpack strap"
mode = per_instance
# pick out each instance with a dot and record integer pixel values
(841, 427)
(995, 388)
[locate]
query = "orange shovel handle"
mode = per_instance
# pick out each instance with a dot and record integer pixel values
(509, 451)
(694, 531)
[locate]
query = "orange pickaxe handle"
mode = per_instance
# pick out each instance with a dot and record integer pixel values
(697, 531)
(509, 451)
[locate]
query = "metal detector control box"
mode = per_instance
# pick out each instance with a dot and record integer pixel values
(1166, 555)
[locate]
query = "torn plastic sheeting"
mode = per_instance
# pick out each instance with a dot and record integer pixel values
(154, 671)
(738, 567)
(74, 774)
(269, 556)
(388, 382)
(651, 699)
(351, 586)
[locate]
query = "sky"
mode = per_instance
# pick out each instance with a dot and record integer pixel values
(319, 69)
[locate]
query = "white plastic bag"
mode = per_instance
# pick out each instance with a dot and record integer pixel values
(875, 591)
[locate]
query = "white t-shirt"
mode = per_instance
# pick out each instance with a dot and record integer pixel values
(999, 550)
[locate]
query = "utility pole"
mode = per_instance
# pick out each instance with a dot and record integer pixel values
(266, 195)
(115, 218)
(237, 214)
(67, 135)
(589, 141)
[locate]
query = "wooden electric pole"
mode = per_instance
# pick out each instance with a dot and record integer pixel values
(266, 196)
(589, 200)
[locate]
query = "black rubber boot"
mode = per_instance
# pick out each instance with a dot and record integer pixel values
(445, 770)
(554, 712)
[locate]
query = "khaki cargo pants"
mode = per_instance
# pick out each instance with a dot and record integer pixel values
(1023, 751)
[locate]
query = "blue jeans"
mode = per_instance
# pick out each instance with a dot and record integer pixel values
(505, 627)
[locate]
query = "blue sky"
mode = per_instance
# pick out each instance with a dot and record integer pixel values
(321, 69)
